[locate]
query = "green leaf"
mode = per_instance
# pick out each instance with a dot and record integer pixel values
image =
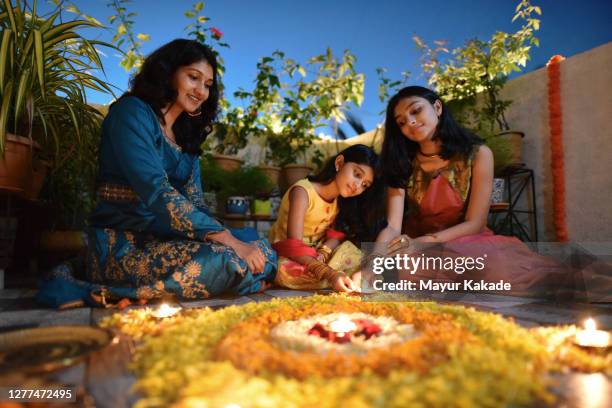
(20, 96)
(198, 6)
(72, 9)
(40, 62)
(9, 9)
(6, 103)
(7, 39)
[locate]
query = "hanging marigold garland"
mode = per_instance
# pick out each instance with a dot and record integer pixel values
(556, 146)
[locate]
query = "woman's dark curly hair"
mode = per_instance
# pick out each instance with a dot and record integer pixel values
(360, 217)
(154, 85)
(399, 152)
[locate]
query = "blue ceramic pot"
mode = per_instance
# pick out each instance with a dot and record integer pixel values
(236, 205)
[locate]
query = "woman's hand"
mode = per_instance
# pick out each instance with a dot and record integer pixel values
(398, 243)
(426, 239)
(356, 278)
(342, 283)
(251, 254)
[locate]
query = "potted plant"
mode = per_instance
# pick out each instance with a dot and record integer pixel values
(299, 106)
(472, 78)
(70, 188)
(239, 185)
(41, 85)
(248, 184)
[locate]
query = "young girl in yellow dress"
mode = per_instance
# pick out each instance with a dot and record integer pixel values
(311, 252)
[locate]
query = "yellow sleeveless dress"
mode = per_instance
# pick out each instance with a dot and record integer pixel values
(319, 217)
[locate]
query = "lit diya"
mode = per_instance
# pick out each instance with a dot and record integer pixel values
(165, 310)
(591, 338)
(342, 329)
(344, 332)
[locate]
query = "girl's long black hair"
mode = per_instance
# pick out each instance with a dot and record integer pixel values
(360, 217)
(398, 152)
(154, 85)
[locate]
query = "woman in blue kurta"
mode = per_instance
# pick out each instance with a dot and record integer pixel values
(150, 233)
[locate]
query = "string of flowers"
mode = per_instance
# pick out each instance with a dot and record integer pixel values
(556, 146)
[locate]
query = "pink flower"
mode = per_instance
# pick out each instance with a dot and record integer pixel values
(216, 33)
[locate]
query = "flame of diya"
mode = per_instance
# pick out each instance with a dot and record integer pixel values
(342, 329)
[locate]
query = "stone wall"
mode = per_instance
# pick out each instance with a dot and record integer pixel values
(586, 92)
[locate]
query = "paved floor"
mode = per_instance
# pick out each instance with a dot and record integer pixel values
(107, 380)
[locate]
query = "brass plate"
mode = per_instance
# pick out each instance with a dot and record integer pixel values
(49, 348)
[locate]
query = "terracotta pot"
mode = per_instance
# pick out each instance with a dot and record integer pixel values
(293, 173)
(16, 163)
(57, 241)
(39, 170)
(272, 172)
(516, 142)
(229, 163)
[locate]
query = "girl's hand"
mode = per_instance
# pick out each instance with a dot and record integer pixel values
(252, 255)
(342, 283)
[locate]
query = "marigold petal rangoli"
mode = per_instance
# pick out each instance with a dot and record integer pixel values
(421, 354)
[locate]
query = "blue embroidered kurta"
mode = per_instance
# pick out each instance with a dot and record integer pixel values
(147, 235)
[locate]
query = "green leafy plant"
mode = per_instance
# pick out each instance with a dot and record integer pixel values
(388, 86)
(210, 36)
(125, 35)
(70, 187)
(45, 68)
(246, 181)
(481, 67)
(287, 108)
(257, 114)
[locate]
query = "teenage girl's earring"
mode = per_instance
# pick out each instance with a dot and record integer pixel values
(196, 113)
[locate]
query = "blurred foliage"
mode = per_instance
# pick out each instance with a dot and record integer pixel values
(245, 181)
(481, 67)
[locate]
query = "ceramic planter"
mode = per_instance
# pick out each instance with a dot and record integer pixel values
(497, 196)
(236, 205)
(262, 207)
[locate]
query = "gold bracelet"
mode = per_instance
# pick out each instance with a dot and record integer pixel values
(321, 271)
(326, 252)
